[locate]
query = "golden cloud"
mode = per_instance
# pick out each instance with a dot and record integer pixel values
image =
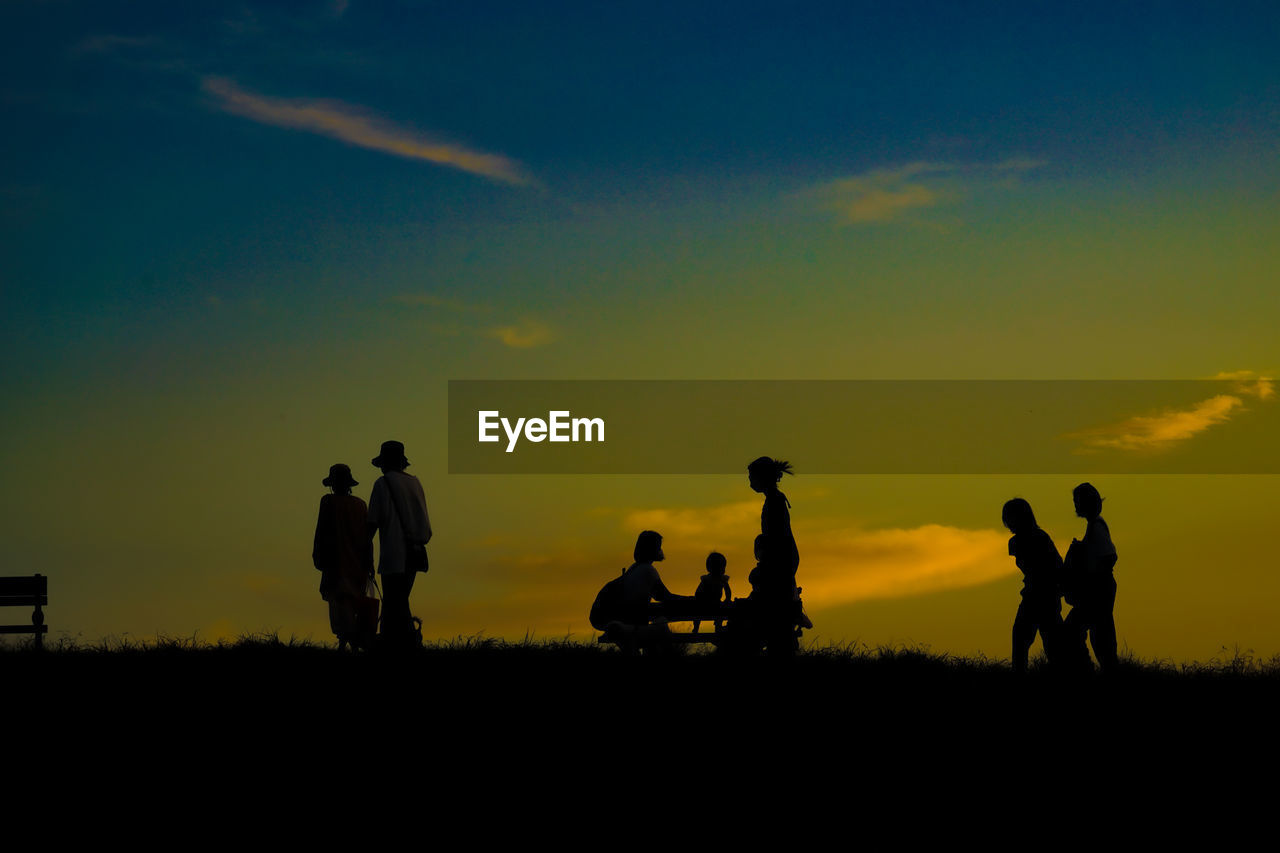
(735, 521)
(1249, 383)
(352, 125)
(526, 334)
(1163, 430)
(881, 195)
(884, 195)
(842, 567)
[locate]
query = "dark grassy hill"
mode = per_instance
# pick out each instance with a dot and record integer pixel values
(901, 728)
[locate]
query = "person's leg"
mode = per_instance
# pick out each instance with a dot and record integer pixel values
(1071, 639)
(1102, 633)
(395, 606)
(1051, 633)
(1024, 634)
(342, 618)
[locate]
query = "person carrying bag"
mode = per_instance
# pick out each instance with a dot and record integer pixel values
(398, 513)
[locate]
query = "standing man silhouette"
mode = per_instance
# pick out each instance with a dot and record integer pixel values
(398, 511)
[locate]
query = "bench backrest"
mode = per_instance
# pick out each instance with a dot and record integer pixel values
(29, 591)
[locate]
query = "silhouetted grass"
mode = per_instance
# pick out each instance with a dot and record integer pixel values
(825, 670)
(1233, 664)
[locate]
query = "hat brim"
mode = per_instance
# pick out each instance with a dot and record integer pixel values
(350, 481)
(397, 462)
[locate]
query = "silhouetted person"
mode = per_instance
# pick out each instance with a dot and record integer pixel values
(775, 603)
(1041, 608)
(343, 553)
(711, 586)
(759, 548)
(398, 511)
(642, 584)
(1090, 564)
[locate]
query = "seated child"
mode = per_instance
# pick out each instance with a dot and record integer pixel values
(711, 585)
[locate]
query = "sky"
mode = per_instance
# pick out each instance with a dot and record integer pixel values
(240, 242)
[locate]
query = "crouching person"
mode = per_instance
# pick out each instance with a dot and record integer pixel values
(641, 584)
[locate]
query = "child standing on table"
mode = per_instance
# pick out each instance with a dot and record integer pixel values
(714, 582)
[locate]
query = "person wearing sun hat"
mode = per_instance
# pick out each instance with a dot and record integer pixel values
(343, 552)
(398, 512)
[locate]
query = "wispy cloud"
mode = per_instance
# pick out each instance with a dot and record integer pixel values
(883, 194)
(1250, 383)
(1170, 427)
(886, 195)
(526, 334)
(110, 43)
(448, 303)
(354, 126)
(842, 564)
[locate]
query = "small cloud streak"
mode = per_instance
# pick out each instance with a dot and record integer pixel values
(885, 195)
(733, 520)
(882, 195)
(109, 43)
(1164, 430)
(430, 300)
(526, 334)
(349, 124)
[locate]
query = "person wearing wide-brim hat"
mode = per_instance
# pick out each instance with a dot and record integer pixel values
(343, 553)
(398, 512)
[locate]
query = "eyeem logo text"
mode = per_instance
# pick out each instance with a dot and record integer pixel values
(559, 426)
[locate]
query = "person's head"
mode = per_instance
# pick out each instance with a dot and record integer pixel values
(716, 563)
(649, 547)
(764, 473)
(1017, 516)
(339, 479)
(1087, 500)
(762, 542)
(391, 457)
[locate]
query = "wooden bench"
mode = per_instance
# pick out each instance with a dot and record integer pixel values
(32, 592)
(687, 610)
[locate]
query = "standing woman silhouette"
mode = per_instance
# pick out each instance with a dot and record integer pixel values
(343, 553)
(1041, 609)
(773, 581)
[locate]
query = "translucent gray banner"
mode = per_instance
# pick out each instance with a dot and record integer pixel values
(1218, 426)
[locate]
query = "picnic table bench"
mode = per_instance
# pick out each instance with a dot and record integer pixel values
(27, 591)
(688, 610)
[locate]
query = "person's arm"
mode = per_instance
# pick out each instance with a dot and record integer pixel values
(659, 592)
(318, 546)
(376, 509)
(365, 548)
(1098, 545)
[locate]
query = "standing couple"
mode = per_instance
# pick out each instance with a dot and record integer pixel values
(1085, 579)
(343, 550)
